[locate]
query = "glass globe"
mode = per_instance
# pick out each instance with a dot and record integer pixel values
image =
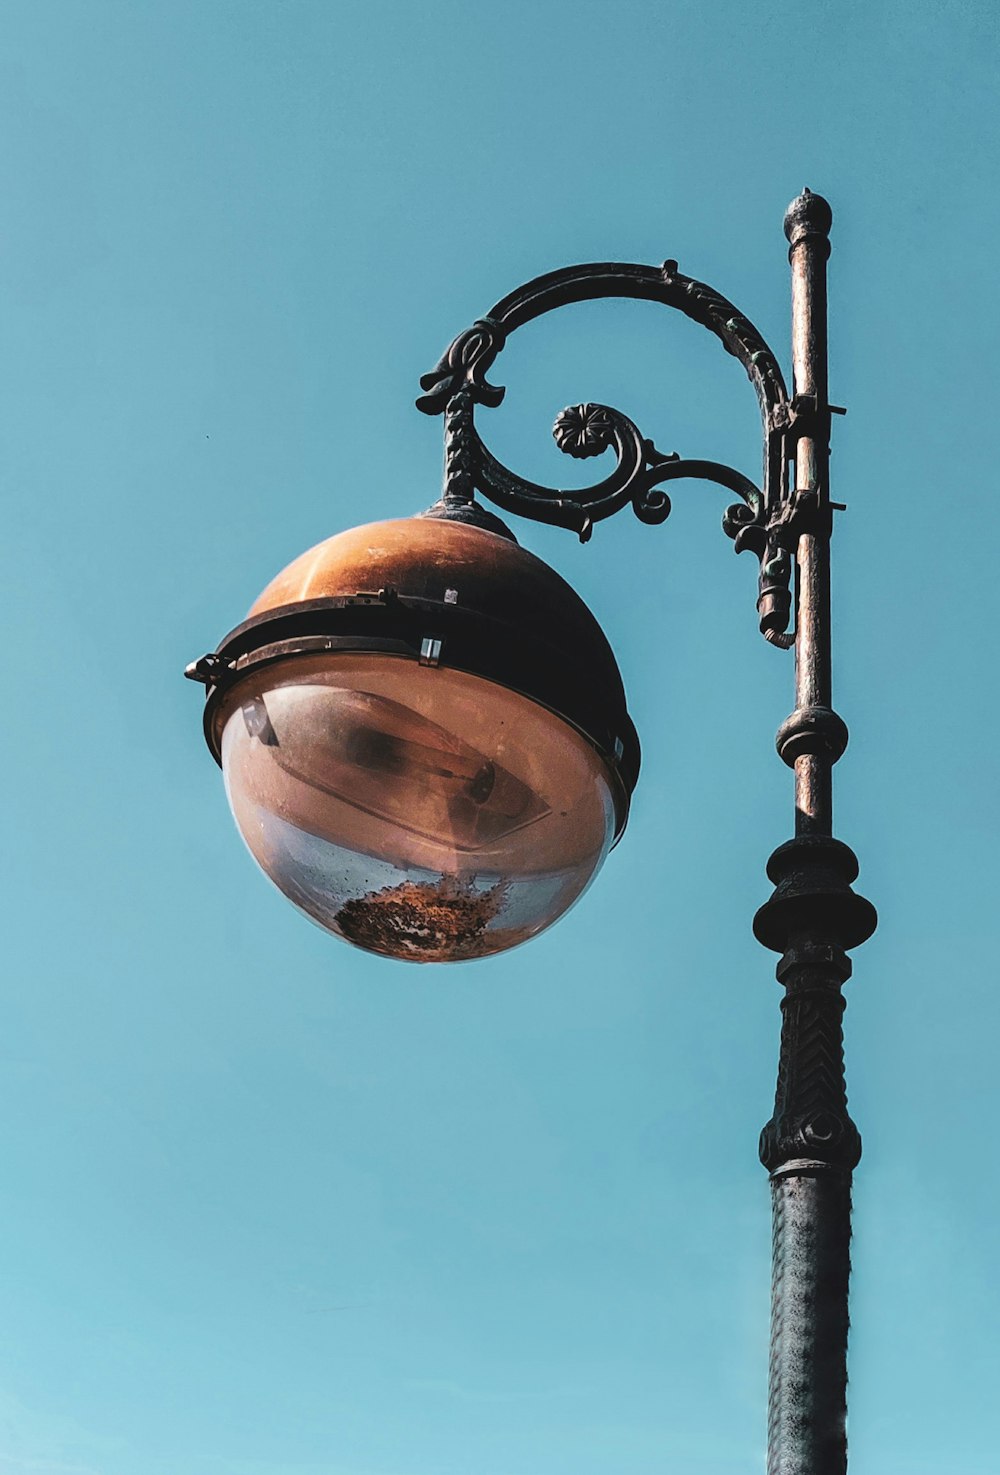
(421, 813)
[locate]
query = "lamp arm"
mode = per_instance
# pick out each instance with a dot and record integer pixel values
(759, 522)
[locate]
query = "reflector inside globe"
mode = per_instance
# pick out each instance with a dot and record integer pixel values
(418, 812)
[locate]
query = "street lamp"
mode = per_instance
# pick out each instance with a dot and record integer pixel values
(424, 737)
(426, 744)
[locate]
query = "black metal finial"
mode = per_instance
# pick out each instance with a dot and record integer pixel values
(807, 215)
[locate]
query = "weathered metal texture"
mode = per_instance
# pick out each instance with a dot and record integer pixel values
(470, 357)
(811, 1121)
(760, 522)
(807, 1395)
(811, 1145)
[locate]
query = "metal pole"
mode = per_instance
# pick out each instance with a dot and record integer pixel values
(813, 917)
(811, 1145)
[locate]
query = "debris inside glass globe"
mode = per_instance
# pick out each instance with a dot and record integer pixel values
(430, 921)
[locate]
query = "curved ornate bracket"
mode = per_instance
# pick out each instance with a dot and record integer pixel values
(637, 479)
(459, 382)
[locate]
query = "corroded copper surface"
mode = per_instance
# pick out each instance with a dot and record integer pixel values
(417, 556)
(450, 561)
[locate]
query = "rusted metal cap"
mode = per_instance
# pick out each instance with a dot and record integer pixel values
(425, 558)
(444, 593)
(807, 215)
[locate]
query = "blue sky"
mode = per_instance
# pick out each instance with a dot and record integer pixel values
(274, 1207)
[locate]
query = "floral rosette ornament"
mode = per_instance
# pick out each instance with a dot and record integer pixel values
(583, 430)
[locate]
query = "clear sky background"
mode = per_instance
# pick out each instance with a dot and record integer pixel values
(269, 1206)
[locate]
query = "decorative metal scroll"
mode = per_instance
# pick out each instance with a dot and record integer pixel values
(759, 521)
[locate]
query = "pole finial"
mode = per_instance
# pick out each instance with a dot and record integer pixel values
(807, 215)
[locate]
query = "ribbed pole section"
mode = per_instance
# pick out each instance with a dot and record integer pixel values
(810, 1146)
(807, 1402)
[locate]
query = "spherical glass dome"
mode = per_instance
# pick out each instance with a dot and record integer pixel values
(418, 812)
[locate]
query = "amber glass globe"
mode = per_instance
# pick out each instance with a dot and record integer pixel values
(424, 739)
(423, 814)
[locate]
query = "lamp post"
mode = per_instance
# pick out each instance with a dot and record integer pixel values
(426, 743)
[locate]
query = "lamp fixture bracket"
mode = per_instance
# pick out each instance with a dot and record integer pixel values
(767, 520)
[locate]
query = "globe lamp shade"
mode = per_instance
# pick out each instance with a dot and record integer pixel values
(424, 738)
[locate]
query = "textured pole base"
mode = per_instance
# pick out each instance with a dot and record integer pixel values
(807, 1394)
